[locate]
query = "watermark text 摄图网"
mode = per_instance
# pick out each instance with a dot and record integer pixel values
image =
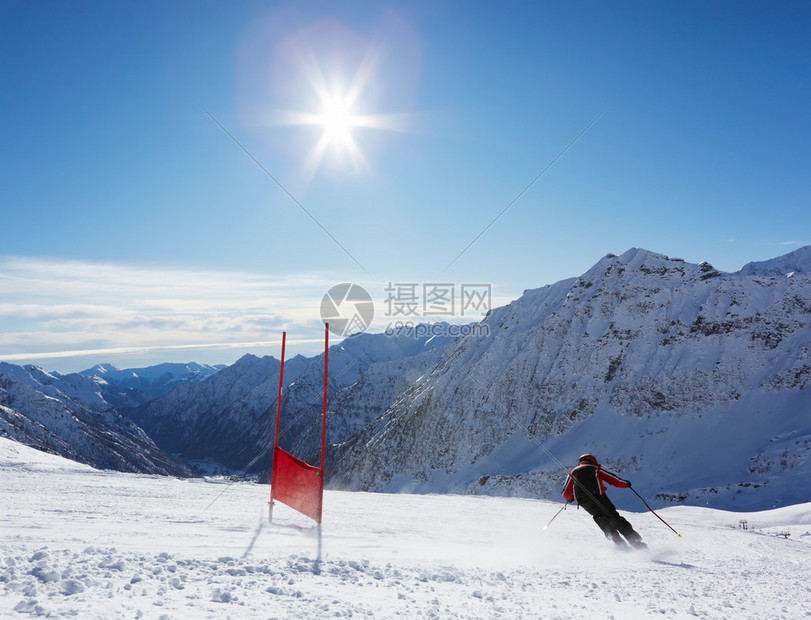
(437, 299)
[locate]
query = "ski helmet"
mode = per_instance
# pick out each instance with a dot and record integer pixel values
(588, 458)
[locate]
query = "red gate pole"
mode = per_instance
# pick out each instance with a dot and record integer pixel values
(324, 421)
(276, 436)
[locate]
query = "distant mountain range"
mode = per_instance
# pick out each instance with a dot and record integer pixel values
(69, 416)
(230, 417)
(134, 386)
(693, 382)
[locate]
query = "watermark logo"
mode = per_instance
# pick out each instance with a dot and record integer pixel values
(348, 308)
(411, 307)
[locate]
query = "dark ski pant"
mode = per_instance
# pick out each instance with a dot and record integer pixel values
(612, 524)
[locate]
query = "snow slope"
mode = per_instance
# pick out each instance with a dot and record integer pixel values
(92, 544)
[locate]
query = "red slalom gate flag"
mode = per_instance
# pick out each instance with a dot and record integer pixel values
(292, 481)
(297, 484)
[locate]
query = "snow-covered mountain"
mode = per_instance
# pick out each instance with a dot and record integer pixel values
(134, 386)
(229, 418)
(693, 382)
(68, 415)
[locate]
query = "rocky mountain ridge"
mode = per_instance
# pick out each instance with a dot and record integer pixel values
(653, 363)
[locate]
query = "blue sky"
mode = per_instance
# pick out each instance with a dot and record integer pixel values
(136, 230)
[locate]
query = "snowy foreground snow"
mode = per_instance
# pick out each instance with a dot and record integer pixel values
(91, 544)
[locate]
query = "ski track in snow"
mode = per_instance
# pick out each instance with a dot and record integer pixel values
(78, 542)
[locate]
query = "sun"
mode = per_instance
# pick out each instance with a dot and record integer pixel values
(337, 120)
(337, 116)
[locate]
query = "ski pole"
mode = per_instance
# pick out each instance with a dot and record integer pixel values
(555, 517)
(651, 509)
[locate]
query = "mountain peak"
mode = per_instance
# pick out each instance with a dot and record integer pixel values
(639, 256)
(635, 257)
(645, 263)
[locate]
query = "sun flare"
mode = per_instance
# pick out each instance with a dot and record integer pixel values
(339, 109)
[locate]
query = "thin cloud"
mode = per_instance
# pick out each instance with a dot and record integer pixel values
(92, 311)
(57, 309)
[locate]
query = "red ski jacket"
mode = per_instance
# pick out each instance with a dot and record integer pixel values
(593, 479)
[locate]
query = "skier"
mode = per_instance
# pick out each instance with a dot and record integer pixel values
(586, 484)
